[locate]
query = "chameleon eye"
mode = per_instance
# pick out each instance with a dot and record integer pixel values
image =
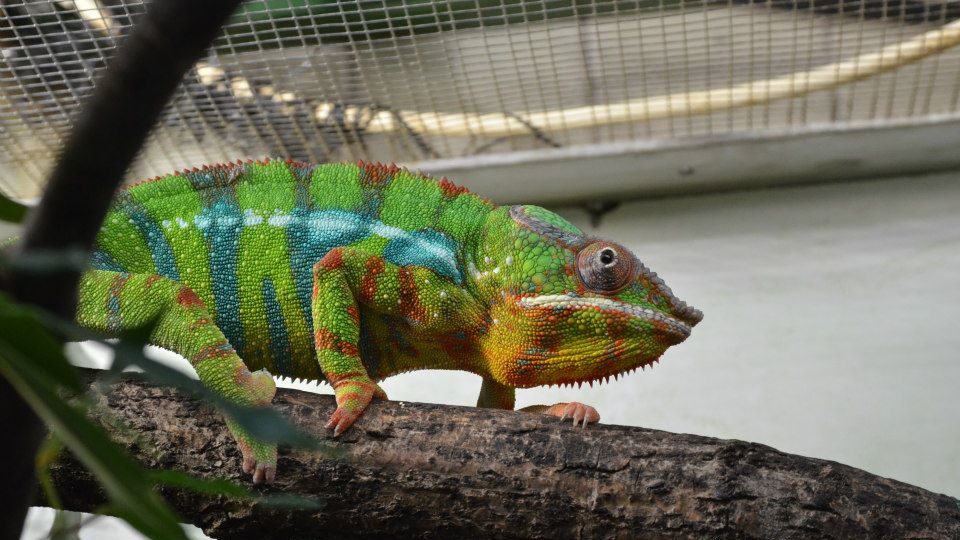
(608, 256)
(605, 267)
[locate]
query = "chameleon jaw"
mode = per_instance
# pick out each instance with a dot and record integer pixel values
(568, 301)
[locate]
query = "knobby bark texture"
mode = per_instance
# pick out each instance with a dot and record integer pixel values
(435, 471)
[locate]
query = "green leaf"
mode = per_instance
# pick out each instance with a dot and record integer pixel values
(290, 501)
(23, 331)
(216, 486)
(11, 210)
(66, 526)
(121, 477)
(262, 423)
(45, 262)
(45, 457)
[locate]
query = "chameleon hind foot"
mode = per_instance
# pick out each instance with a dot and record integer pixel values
(580, 413)
(259, 459)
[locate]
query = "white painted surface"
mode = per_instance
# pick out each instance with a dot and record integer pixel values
(829, 329)
(93, 527)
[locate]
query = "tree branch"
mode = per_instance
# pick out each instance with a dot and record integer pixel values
(411, 469)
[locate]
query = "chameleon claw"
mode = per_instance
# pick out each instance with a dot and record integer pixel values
(249, 464)
(340, 420)
(579, 413)
(264, 474)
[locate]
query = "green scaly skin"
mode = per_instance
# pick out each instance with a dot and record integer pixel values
(350, 273)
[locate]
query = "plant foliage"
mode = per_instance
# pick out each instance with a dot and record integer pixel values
(32, 360)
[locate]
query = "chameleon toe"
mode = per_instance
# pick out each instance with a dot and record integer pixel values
(248, 464)
(579, 413)
(264, 474)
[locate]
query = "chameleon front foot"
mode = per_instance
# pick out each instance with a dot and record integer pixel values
(353, 397)
(580, 413)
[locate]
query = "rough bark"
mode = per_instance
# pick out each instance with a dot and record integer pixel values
(434, 471)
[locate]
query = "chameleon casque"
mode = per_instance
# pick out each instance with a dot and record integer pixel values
(350, 273)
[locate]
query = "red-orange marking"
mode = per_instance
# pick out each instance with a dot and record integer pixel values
(188, 299)
(324, 339)
(451, 190)
(410, 305)
(212, 351)
(368, 284)
(354, 312)
(332, 260)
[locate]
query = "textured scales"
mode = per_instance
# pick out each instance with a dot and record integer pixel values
(350, 273)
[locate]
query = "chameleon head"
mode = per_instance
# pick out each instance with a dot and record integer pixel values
(569, 308)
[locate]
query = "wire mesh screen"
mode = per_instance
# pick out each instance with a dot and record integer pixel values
(411, 80)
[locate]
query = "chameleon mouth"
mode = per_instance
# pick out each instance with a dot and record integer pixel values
(567, 301)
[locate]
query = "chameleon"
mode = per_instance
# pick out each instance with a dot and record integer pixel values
(349, 273)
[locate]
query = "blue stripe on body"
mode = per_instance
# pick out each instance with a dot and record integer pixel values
(428, 248)
(156, 240)
(312, 233)
(221, 224)
(279, 336)
(101, 260)
(114, 317)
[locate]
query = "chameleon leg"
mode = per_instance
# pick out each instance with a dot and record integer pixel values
(113, 301)
(494, 395)
(336, 331)
(347, 278)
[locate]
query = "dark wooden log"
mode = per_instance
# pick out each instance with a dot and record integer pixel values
(436, 471)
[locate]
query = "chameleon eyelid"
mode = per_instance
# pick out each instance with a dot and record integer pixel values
(606, 277)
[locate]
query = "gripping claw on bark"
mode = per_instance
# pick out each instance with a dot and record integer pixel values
(353, 397)
(580, 413)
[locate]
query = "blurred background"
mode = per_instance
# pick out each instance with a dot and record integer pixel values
(792, 168)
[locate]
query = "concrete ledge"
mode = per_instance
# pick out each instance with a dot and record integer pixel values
(816, 154)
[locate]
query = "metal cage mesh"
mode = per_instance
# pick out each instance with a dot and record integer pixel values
(411, 80)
